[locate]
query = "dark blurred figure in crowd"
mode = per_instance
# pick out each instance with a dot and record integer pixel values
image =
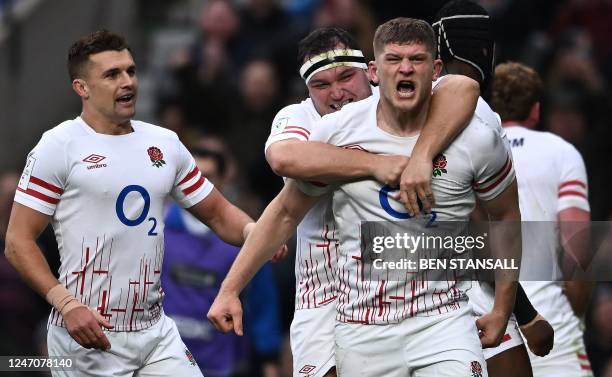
(351, 16)
(268, 32)
(252, 112)
(599, 338)
(576, 108)
(592, 15)
(171, 115)
(205, 75)
(385, 10)
(196, 261)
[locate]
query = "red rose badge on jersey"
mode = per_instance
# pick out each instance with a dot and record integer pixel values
(476, 369)
(156, 156)
(439, 165)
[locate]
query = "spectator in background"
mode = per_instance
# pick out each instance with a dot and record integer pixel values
(259, 101)
(351, 16)
(196, 261)
(205, 75)
(268, 32)
(592, 15)
(600, 338)
(577, 109)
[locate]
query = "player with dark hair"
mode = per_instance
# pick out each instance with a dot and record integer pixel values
(465, 39)
(394, 327)
(559, 186)
(466, 46)
(333, 68)
(102, 180)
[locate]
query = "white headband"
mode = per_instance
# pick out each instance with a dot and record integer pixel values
(331, 59)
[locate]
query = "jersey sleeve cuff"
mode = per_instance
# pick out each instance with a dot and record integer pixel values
(570, 201)
(34, 204)
(313, 188)
(198, 195)
(284, 136)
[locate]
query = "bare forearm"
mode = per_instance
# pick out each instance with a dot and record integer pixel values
(579, 294)
(318, 161)
(231, 227)
(505, 296)
(26, 257)
(506, 243)
(451, 108)
(273, 228)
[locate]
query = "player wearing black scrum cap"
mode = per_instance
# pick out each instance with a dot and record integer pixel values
(465, 39)
(466, 45)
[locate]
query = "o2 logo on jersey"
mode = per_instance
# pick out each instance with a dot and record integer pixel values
(383, 198)
(145, 210)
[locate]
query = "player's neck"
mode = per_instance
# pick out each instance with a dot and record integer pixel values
(103, 125)
(401, 123)
(517, 123)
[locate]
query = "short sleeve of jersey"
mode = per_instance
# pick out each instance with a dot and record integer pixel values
(190, 186)
(43, 180)
(324, 131)
(573, 189)
(492, 163)
(292, 122)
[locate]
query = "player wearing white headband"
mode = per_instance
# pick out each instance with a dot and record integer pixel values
(334, 72)
(391, 322)
(330, 59)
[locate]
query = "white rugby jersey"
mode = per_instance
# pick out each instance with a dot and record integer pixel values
(476, 163)
(106, 194)
(316, 248)
(551, 177)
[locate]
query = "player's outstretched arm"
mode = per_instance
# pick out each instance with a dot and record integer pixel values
(506, 242)
(229, 222)
(574, 227)
(452, 106)
(25, 226)
(273, 228)
(317, 161)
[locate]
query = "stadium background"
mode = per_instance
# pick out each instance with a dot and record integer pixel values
(222, 69)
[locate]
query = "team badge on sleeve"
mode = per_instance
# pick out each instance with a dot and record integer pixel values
(156, 156)
(24, 180)
(279, 125)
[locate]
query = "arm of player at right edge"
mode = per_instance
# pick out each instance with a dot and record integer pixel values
(273, 228)
(452, 106)
(22, 252)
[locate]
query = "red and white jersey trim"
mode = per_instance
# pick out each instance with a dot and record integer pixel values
(298, 132)
(573, 188)
(494, 181)
(192, 181)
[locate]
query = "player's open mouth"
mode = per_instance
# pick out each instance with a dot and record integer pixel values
(405, 88)
(338, 106)
(125, 99)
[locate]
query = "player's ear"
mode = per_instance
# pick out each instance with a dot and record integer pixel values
(80, 87)
(437, 68)
(372, 73)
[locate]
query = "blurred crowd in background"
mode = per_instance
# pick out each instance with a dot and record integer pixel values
(220, 70)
